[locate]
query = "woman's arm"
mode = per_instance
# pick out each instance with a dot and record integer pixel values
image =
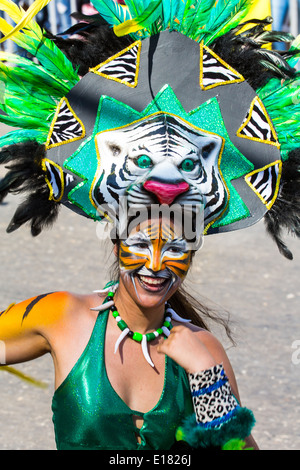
(200, 353)
(25, 327)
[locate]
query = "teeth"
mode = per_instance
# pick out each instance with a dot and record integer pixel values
(151, 280)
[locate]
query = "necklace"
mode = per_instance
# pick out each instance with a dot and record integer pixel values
(170, 314)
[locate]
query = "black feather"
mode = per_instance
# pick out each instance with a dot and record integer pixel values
(285, 212)
(26, 176)
(244, 53)
(96, 43)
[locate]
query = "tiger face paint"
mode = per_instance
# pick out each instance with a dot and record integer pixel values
(154, 257)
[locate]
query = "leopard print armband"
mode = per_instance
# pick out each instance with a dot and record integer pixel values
(213, 401)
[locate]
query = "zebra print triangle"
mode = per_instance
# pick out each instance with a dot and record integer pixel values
(65, 127)
(122, 67)
(257, 125)
(56, 179)
(265, 182)
(214, 71)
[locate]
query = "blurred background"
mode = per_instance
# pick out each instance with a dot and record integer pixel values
(241, 273)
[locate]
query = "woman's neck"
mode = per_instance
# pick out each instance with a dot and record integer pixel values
(137, 317)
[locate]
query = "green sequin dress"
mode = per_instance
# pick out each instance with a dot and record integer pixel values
(89, 414)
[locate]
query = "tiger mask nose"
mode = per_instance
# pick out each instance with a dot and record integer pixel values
(166, 192)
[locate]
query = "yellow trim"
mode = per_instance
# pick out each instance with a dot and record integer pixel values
(95, 179)
(73, 139)
(51, 197)
(227, 66)
(189, 124)
(109, 77)
(227, 191)
(270, 204)
(256, 139)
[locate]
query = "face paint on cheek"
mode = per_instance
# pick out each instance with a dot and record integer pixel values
(129, 259)
(178, 270)
(177, 258)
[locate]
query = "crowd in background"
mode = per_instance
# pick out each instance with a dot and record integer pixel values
(284, 13)
(60, 11)
(63, 10)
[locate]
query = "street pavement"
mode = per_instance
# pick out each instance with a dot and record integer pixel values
(241, 273)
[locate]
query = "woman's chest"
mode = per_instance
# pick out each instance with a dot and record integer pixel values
(136, 382)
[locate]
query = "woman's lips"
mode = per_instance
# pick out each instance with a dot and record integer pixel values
(152, 283)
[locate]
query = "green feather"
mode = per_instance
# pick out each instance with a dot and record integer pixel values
(195, 17)
(22, 95)
(29, 84)
(144, 21)
(236, 444)
(60, 86)
(20, 121)
(136, 7)
(226, 15)
(111, 11)
(166, 13)
(282, 102)
(47, 53)
(177, 13)
(30, 93)
(198, 19)
(52, 58)
(20, 135)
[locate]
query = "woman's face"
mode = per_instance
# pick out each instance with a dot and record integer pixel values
(154, 260)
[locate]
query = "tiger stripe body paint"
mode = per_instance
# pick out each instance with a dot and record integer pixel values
(32, 314)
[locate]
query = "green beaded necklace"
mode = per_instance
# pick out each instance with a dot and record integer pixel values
(108, 303)
(136, 336)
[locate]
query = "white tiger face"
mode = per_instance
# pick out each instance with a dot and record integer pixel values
(161, 159)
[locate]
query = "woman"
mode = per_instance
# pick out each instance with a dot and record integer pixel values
(114, 391)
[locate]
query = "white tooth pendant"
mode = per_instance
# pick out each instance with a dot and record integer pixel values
(176, 317)
(145, 350)
(109, 288)
(123, 334)
(103, 306)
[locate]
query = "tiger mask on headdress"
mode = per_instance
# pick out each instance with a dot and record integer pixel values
(160, 159)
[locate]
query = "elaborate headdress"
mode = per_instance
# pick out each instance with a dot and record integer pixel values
(181, 104)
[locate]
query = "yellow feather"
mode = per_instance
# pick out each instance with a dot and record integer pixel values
(25, 17)
(26, 378)
(128, 27)
(11, 9)
(5, 27)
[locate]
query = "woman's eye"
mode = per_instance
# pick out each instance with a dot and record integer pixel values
(188, 165)
(174, 250)
(144, 161)
(142, 246)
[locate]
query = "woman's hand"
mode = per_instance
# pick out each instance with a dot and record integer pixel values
(185, 347)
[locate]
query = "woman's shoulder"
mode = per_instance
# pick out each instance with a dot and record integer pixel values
(73, 303)
(212, 343)
(48, 307)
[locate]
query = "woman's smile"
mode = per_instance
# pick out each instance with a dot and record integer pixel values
(153, 284)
